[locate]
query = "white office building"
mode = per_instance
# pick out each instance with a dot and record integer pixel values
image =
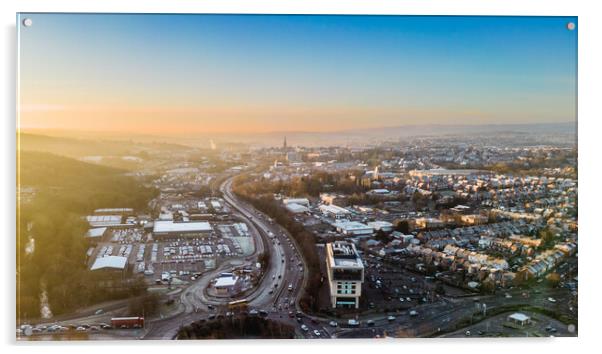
(345, 274)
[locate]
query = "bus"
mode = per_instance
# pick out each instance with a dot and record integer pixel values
(238, 305)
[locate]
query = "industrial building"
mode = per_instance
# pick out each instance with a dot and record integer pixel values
(353, 228)
(104, 220)
(170, 228)
(300, 201)
(96, 234)
(345, 274)
(296, 208)
(334, 211)
(115, 263)
(385, 226)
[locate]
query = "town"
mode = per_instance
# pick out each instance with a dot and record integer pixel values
(430, 236)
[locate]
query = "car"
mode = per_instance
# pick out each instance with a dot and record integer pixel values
(211, 317)
(80, 329)
(317, 333)
(271, 292)
(291, 314)
(413, 313)
(508, 296)
(99, 311)
(253, 312)
(467, 333)
(210, 307)
(370, 323)
(105, 326)
(353, 323)
(391, 318)
(299, 319)
(304, 328)
(333, 324)
(263, 313)
(551, 299)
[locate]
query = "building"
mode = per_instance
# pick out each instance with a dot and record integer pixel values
(169, 228)
(114, 211)
(353, 228)
(519, 318)
(334, 211)
(385, 226)
(345, 274)
(104, 220)
(333, 199)
(96, 234)
(226, 284)
(113, 263)
(300, 201)
(296, 208)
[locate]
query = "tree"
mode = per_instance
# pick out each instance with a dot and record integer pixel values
(403, 226)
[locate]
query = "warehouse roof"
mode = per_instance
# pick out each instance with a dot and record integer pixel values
(111, 262)
(296, 208)
(163, 226)
(96, 232)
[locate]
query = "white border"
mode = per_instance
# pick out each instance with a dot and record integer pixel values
(589, 158)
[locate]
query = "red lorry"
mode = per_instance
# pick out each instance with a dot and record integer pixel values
(127, 322)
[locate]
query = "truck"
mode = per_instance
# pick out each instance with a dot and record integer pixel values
(127, 322)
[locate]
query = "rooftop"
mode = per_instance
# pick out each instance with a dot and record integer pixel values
(344, 254)
(163, 226)
(111, 262)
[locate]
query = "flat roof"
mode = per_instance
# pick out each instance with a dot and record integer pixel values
(164, 226)
(344, 254)
(519, 317)
(352, 225)
(296, 208)
(112, 262)
(335, 209)
(226, 281)
(96, 232)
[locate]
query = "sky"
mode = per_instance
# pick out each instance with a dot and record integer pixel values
(175, 74)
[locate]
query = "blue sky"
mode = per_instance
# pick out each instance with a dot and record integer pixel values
(262, 72)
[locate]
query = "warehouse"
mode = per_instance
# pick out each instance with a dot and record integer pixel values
(96, 234)
(296, 208)
(104, 220)
(334, 211)
(169, 228)
(110, 263)
(353, 228)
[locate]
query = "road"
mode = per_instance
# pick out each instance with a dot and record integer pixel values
(286, 268)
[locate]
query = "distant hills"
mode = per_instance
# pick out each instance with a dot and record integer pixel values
(122, 144)
(91, 146)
